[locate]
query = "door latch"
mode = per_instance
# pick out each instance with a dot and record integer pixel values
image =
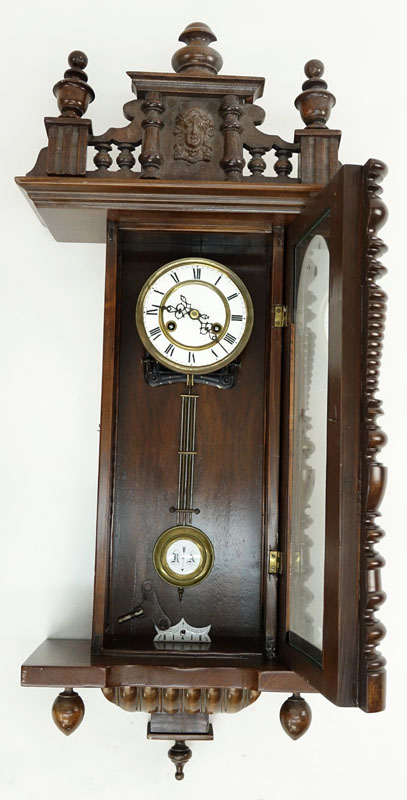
(280, 317)
(275, 562)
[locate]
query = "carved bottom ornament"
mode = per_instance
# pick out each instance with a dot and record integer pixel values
(152, 699)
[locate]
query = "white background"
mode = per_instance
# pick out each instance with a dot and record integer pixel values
(51, 313)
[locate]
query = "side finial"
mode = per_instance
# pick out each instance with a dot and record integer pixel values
(315, 103)
(197, 56)
(73, 92)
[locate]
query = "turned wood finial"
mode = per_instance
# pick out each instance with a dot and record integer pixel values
(295, 716)
(315, 103)
(179, 754)
(73, 92)
(68, 711)
(197, 56)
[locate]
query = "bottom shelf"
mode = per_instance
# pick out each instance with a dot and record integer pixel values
(69, 662)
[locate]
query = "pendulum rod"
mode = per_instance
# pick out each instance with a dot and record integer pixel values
(187, 455)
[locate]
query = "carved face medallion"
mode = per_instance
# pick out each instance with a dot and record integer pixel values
(193, 130)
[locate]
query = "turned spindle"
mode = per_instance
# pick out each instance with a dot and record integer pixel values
(232, 161)
(283, 166)
(372, 685)
(150, 157)
(103, 160)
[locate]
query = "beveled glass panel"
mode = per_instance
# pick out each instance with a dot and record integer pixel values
(309, 441)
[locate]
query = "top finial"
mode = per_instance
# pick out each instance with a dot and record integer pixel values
(197, 57)
(315, 103)
(73, 92)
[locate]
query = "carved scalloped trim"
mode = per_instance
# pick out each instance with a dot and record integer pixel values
(373, 673)
(172, 700)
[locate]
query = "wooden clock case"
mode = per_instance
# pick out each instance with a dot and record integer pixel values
(194, 197)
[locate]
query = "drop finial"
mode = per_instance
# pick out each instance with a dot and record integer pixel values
(68, 711)
(197, 57)
(179, 754)
(295, 716)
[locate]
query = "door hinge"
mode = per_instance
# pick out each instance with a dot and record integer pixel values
(280, 317)
(275, 562)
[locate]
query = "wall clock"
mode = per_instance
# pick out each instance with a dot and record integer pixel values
(239, 479)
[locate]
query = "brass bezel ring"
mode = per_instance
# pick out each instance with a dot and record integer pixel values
(195, 535)
(175, 366)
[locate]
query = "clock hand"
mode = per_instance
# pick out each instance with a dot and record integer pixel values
(180, 310)
(184, 308)
(171, 309)
(205, 327)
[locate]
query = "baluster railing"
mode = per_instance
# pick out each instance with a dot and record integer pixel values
(102, 159)
(257, 164)
(125, 160)
(283, 166)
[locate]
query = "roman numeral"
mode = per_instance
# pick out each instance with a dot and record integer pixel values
(229, 338)
(191, 357)
(169, 351)
(237, 318)
(158, 291)
(175, 277)
(215, 353)
(216, 282)
(155, 333)
(152, 311)
(197, 273)
(232, 296)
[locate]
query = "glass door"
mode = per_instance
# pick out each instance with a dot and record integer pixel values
(309, 440)
(319, 588)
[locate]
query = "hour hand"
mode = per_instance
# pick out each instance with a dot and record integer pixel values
(180, 310)
(171, 309)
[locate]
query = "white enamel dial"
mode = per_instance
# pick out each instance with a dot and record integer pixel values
(194, 315)
(183, 557)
